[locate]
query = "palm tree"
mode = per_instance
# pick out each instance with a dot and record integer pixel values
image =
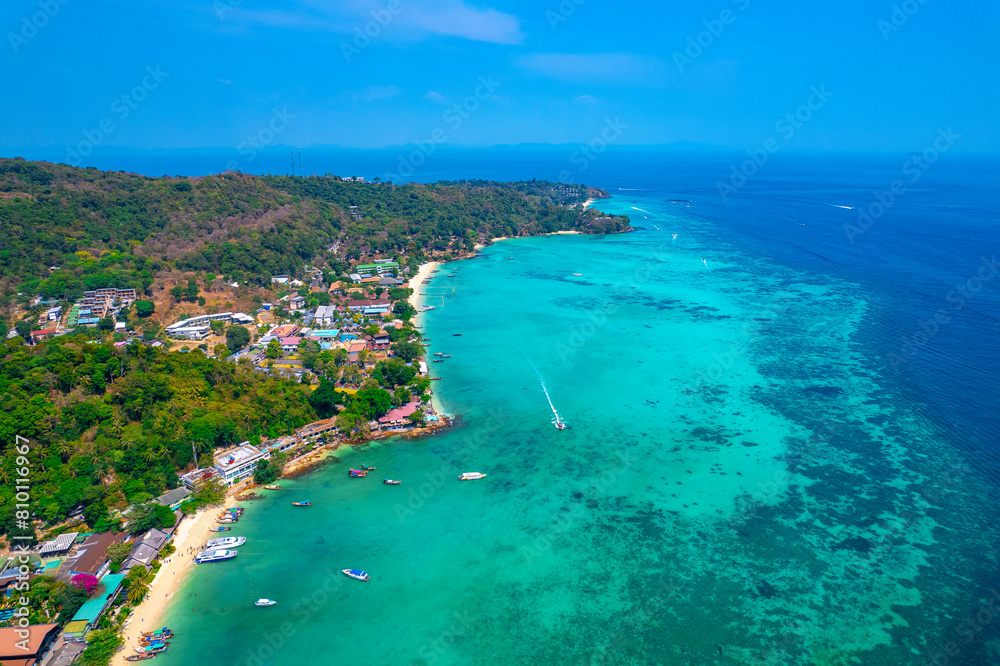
(137, 592)
(64, 449)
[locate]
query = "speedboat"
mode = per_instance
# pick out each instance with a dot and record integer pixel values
(559, 424)
(356, 573)
(468, 476)
(456, 334)
(390, 482)
(265, 602)
(214, 556)
(226, 542)
(272, 487)
(306, 503)
(578, 274)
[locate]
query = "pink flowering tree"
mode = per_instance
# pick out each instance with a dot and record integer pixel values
(86, 582)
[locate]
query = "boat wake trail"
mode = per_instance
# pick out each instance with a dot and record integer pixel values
(556, 420)
(640, 210)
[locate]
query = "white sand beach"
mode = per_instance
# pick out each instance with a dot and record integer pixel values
(189, 539)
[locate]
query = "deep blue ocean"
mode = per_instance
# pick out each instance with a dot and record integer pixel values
(783, 442)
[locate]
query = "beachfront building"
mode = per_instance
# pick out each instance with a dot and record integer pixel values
(86, 618)
(144, 550)
(399, 417)
(194, 480)
(19, 650)
(316, 428)
(236, 465)
(282, 444)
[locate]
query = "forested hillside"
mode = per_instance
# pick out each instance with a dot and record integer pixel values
(66, 230)
(109, 427)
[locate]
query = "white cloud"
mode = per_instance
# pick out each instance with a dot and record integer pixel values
(436, 97)
(450, 18)
(584, 99)
(368, 94)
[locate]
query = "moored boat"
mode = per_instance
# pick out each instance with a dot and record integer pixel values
(272, 487)
(469, 476)
(356, 574)
(368, 468)
(226, 542)
(456, 334)
(390, 482)
(265, 602)
(219, 529)
(214, 556)
(165, 633)
(305, 503)
(357, 472)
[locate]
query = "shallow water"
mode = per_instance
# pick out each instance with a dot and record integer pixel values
(740, 482)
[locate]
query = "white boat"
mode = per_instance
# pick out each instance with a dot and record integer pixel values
(357, 574)
(214, 556)
(265, 602)
(227, 542)
(468, 476)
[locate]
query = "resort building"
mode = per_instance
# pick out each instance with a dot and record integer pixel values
(380, 268)
(325, 315)
(286, 331)
(199, 328)
(105, 298)
(316, 428)
(86, 618)
(367, 306)
(91, 557)
(239, 464)
(290, 344)
(61, 544)
(353, 351)
(144, 550)
(193, 480)
(282, 444)
(174, 498)
(399, 417)
(19, 650)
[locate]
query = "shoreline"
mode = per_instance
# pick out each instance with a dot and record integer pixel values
(191, 533)
(417, 280)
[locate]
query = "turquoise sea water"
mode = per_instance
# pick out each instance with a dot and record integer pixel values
(739, 483)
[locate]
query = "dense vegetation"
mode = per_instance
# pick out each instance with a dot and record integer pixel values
(66, 230)
(109, 427)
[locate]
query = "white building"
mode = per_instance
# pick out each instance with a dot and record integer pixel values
(238, 464)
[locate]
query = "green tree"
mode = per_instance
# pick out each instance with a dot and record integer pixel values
(150, 516)
(144, 308)
(273, 350)
(218, 326)
(106, 324)
(237, 337)
(404, 310)
(266, 472)
(379, 402)
(192, 289)
(101, 647)
(325, 399)
(177, 292)
(407, 351)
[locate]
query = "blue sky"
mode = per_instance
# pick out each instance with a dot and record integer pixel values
(541, 71)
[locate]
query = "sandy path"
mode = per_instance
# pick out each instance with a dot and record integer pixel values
(192, 533)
